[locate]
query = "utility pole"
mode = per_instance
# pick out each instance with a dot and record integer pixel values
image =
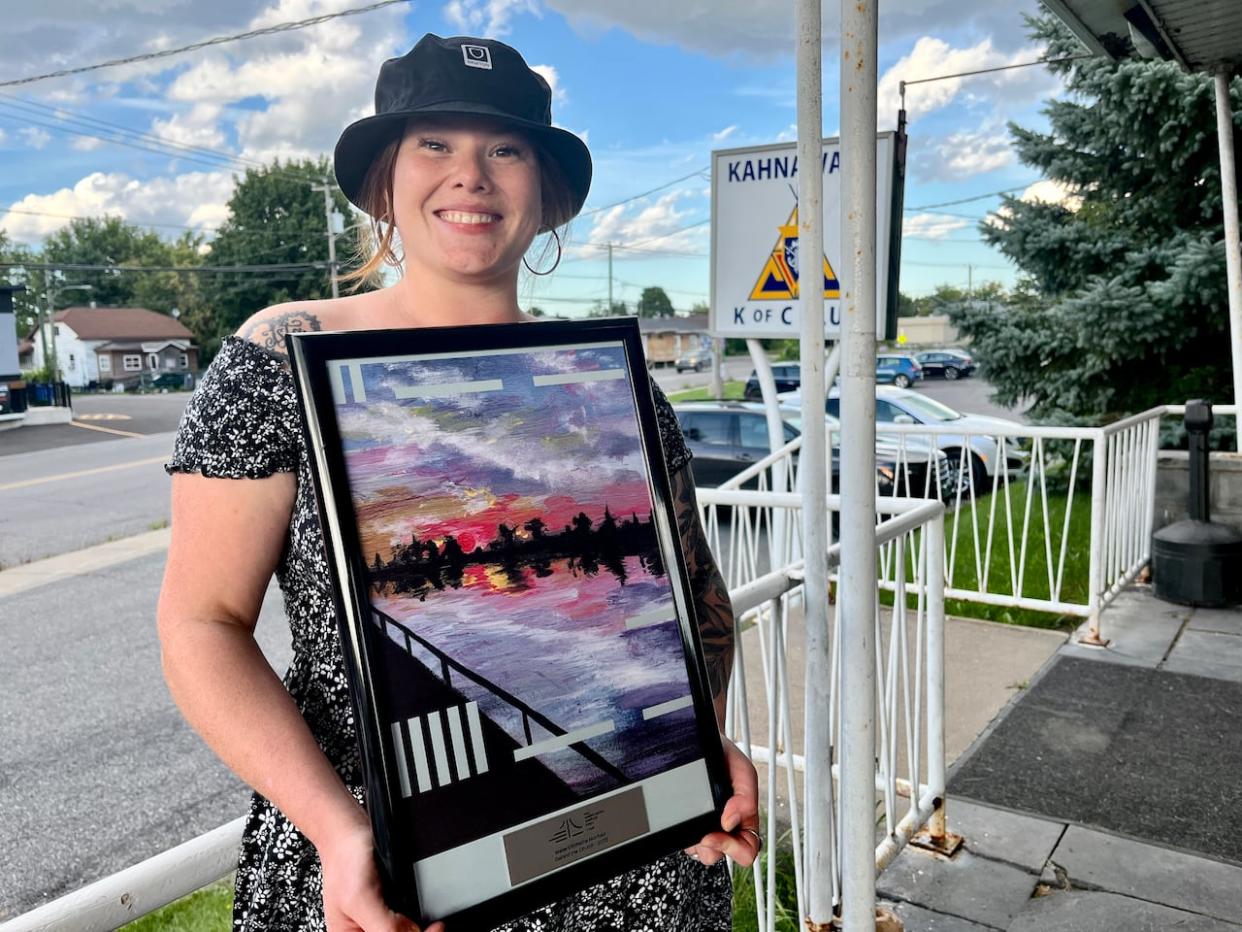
(326, 188)
(970, 284)
(610, 278)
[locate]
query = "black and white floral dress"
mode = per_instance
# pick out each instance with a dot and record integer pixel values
(242, 422)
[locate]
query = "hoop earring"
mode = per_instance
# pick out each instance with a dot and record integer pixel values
(556, 237)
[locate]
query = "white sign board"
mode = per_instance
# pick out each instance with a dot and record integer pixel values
(755, 239)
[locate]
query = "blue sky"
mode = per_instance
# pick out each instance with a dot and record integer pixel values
(654, 87)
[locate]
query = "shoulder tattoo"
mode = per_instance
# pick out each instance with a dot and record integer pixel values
(270, 331)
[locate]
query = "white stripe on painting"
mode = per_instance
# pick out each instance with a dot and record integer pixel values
(573, 378)
(476, 737)
(461, 763)
(338, 387)
(355, 383)
(447, 388)
(421, 770)
(664, 708)
(402, 770)
(443, 777)
(563, 741)
(654, 616)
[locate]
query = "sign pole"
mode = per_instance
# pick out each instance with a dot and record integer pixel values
(1233, 256)
(813, 477)
(857, 601)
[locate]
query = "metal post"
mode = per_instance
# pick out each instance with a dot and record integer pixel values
(933, 545)
(777, 528)
(859, 42)
(813, 472)
(1233, 257)
(326, 188)
(50, 362)
(1095, 571)
(718, 346)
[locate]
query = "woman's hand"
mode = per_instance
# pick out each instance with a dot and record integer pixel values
(740, 839)
(352, 901)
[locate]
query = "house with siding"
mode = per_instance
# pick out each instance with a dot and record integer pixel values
(103, 346)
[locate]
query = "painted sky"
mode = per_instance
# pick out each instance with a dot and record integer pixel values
(462, 464)
(652, 87)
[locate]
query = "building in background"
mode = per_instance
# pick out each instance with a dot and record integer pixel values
(666, 338)
(99, 347)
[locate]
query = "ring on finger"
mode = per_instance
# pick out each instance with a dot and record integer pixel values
(758, 838)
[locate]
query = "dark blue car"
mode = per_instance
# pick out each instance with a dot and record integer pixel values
(948, 364)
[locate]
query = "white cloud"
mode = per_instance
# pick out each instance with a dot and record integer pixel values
(486, 17)
(932, 57)
(765, 28)
(552, 76)
(85, 143)
(34, 137)
(724, 133)
(656, 226)
(200, 126)
(962, 155)
(1052, 192)
(195, 199)
(930, 226)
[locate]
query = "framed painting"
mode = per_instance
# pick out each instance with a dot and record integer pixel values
(517, 625)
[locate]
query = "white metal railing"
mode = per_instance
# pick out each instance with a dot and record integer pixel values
(1018, 496)
(909, 723)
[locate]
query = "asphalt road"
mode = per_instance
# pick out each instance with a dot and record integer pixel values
(65, 498)
(97, 768)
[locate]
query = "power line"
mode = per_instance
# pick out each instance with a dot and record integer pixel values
(967, 74)
(183, 269)
(217, 40)
(977, 197)
(174, 149)
(635, 197)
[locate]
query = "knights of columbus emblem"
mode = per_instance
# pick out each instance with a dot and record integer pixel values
(779, 279)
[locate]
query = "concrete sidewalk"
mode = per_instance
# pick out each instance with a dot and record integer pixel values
(1150, 767)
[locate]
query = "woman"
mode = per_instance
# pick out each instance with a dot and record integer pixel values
(461, 160)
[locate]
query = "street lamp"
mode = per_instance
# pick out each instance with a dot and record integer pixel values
(52, 291)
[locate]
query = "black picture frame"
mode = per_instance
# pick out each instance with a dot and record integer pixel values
(399, 707)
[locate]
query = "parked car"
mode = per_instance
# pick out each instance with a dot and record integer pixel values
(947, 364)
(6, 404)
(726, 437)
(788, 378)
(164, 382)
(695, 360)
(897, 369)
(902, 406)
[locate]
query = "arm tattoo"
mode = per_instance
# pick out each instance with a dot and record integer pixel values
(270, 331)
(711, 596)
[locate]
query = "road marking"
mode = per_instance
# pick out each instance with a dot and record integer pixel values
(26, 483)
(106, 430)
(64, 566)
(104, 417)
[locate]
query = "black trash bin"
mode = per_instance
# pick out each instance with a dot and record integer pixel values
(1198, 561)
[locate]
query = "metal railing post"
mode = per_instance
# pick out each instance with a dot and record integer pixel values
(1095, 572)
(933, 541)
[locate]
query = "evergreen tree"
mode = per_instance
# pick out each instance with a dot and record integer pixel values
(1123, 301)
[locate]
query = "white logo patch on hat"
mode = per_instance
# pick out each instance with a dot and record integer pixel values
(477, 56)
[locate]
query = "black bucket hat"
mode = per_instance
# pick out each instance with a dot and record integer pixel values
(461, 75)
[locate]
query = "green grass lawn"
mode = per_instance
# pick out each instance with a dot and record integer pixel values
(732, 392)
(744, 916)
(1074, 584)
(207, 910)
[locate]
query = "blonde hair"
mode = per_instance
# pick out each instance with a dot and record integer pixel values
(377, 249)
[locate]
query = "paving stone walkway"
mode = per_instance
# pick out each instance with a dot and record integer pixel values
(1027, 870)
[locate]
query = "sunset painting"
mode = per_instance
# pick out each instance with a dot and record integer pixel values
(526, 615)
